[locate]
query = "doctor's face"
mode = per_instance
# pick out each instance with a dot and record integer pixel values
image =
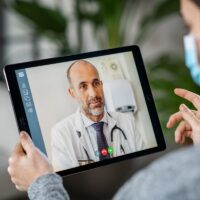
(87, 88)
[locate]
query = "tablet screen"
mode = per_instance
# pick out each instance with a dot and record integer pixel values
(87, 110)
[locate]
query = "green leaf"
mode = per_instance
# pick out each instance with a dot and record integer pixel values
(165, 74)
(107, 18)
(44, 18)
(164, 9)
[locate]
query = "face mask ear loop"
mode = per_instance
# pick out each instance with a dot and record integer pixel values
(197, 38)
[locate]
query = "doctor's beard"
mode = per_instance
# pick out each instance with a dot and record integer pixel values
(94, 111)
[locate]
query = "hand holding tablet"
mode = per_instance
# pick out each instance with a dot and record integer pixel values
(86, 110)
(27, 163)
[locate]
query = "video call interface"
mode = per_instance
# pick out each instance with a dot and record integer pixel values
(85, 111)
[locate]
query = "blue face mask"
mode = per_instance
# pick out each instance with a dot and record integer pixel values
(191, 57)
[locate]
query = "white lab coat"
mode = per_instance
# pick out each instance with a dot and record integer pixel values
(71, 141)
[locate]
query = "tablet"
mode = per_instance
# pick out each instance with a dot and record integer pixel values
(87, 110)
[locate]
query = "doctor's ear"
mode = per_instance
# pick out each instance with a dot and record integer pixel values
(71, 92)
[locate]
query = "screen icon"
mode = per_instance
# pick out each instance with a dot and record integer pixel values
(27, 98)
(25, 92)
(110, 150)
(21, 74)
(30, 110)
(28, 104)
(23, 85)
(104, 152)
(97, 154)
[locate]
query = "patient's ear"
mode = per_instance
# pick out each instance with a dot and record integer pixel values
(71, 92)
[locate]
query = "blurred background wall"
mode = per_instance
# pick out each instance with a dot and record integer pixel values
(36, 29)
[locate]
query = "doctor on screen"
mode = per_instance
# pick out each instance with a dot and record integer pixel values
(91, 134)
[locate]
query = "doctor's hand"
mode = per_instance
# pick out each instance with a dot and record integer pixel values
(27, 163)
(188, 120)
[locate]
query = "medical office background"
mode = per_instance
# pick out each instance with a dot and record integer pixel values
(37, 29)
(55, 104)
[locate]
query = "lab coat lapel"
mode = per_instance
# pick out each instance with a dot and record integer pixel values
(84, 137)
(111, 122)
(79, 126)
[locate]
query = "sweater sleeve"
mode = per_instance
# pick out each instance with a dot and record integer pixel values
(49, 186)
(175, 176)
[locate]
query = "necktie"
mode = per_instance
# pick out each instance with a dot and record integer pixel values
(101, 140)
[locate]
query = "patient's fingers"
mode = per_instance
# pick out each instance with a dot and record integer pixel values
(173, 119)
(181, 132)
(189, 117)
(190, 96)
(177, 117)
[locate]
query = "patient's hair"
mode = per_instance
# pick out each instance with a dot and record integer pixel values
(197, 2)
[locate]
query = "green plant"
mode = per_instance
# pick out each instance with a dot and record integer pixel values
(106, 20)
(162, 10)
(111, 21)
(165, 74)
(45, 21)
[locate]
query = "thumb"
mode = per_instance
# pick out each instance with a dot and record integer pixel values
(26, 142)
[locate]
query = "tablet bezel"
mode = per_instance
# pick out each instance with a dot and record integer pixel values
(12, 85)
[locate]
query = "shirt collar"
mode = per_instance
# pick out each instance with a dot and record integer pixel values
(88, 122)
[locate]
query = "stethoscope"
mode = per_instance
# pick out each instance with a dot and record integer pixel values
(122, 132)
(111, 137)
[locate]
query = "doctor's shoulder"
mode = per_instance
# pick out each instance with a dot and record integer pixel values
(64, 127)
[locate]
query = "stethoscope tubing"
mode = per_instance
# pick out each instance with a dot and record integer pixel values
(112, 135)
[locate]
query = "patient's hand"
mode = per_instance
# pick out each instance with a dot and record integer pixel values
(27, 163)
(188, 120)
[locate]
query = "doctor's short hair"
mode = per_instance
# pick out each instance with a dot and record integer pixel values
(69, 69)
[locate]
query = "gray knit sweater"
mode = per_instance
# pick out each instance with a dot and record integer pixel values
(173, 177)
